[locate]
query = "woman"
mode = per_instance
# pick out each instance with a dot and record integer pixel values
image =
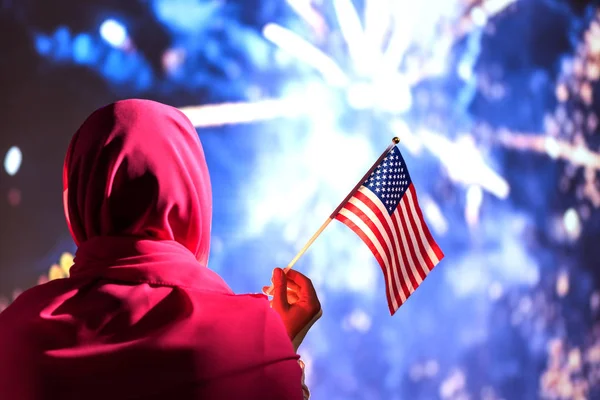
(141, 317)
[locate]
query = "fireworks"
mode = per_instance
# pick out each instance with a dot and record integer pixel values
(58, 271)
(242, 112)
(574, 121)
(565, 377)
(388, 55)
(361, 73)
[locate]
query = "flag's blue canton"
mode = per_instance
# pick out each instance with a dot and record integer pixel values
(390, 180)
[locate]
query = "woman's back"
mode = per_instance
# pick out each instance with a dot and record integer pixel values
(114, 337)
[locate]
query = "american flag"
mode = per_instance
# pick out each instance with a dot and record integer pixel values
(385, 213)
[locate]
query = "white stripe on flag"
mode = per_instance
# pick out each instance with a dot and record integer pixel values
(432, 256)
(415, 245)
(365, 229)
(371, 215)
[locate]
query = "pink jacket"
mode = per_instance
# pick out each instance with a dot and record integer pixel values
(141, 317)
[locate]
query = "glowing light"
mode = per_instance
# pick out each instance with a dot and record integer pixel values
(525, 305)
(562, 93)
(574, 360)
(595, 301)
(431, 368)
(409, 140)
(576, 154)
(377, 17)
(14, 197)
(361, 95)
(465, 71)
(464, 163)
(56, 273)
(82, 49)
(478, 16)
(340, 169)
(401, 35)
(393, 93)
(552, 147)
(493, 7)
(172, 59)
(243, 112)
(305, 9)
(298, 47)
(434, 215)
(474, 200)
(495, 291)
(453, 385)
(572, 223)
(43, 45)
(353, 33)
(358, 320)
(185, 16)
(66, 262)
(114, 33)
(12, 160)
(562, 284)
(60, 270)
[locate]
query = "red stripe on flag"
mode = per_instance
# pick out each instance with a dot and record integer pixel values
(432, 243)
(425, 245)
(373, 228)
(405, 244)
(371, 247)
(419, 243)
(393, 238)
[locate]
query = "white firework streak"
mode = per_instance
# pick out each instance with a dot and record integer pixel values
(314, 172)
(366, 45)
(244, 112)
(576, 154)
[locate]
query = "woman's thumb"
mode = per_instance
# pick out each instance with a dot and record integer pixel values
(280, 289)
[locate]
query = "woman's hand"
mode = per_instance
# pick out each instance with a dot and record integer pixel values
(296, 302)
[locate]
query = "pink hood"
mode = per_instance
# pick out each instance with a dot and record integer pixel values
(141, 317)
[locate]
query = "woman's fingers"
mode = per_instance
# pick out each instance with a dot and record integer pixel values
(292, 297)
(293, 286)
(280, 289)
(306, 291)
(304, 284)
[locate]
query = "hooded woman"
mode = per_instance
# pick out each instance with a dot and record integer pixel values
(141, 316)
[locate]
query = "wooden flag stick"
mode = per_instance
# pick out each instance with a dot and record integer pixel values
(314, 237)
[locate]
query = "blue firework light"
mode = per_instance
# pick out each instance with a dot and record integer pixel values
(295, 100)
